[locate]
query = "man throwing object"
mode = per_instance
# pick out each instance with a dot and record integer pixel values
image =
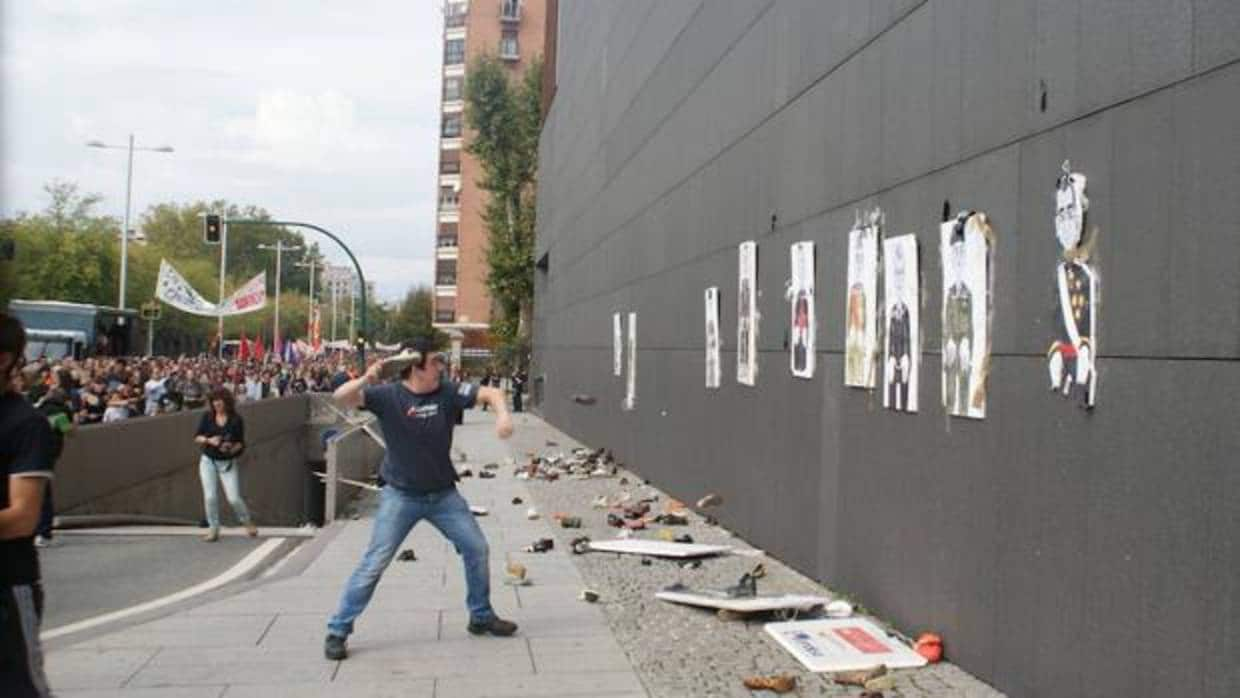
(417, 415)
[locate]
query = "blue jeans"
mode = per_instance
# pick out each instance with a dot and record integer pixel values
(212, 472)
(398, 512)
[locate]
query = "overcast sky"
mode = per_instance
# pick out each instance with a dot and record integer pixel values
(317, 110)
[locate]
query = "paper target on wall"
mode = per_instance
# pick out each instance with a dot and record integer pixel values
(861, 311)
(747, 314)
(965, 244)
(617, 346)
(1073, 354)
(902, 305)
(630, 384)
(801, 295)
(712, 337)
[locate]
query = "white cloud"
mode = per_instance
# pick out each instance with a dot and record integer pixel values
(318, 112)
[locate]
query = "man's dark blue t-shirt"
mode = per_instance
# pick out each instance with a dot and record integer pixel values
(418, 430)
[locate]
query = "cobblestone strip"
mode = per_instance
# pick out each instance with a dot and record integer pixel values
(680, 651)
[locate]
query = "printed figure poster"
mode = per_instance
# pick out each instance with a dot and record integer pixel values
(630, 385)
(965, 247)
(712, 337)
(1071, 356)
(801, 292)
(861, 313)
(747, 315)
(617, 345)
(902, 302)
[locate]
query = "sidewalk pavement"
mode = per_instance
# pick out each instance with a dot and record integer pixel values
(411, 641)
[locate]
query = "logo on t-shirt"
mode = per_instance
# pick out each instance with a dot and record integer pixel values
(423, 411)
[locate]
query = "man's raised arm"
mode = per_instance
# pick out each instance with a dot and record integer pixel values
(495, 398)
(349, 394)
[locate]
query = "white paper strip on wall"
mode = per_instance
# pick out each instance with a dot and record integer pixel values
(747, 314)
(712, 337)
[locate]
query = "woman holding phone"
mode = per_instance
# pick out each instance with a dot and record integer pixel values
(221, 436)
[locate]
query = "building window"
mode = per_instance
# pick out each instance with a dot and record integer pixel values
(447, 235)
(445, 309)
(445, 272)
(454, 15)
(450, 164)
(454, 51)
(451, 125)
(508, 46)
(449, 198)
(452, 88)
(510, 10)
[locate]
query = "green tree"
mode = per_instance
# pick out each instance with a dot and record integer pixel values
(412, 320)
(506, 120)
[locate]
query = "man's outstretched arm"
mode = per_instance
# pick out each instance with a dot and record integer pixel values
(495, 398)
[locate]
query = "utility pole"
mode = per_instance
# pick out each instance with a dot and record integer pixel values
(223, 263)
(335, 289)
(313, 303)
(352, 307)
(280, 250)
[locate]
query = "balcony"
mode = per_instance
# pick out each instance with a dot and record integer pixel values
(453, 21)
(446, 241)
(510, 11)
(445, 279)
(445, 316)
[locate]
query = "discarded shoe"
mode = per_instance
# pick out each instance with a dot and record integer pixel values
(624, 481)
(615, 521)
(518, 500)
(588, 595)
(478, 511)
(516, 575)
(491, 466)
(334, 648)
(646, 562)
(407, 555)
(860, 677)
(839, 609)
(580, 545)
(690, 564)
(570, 522)
(710, 500)
(673, 519)
(871, 694)
(875, 687)
(599, 502)
(780, 683)
(532, 514)
(496, 626)
(486, 474)
(541, 545)
(466, 473)
(683, 538)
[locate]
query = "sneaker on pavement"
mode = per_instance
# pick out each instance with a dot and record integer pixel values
(334, 648)
(44, 542)
(495, 626)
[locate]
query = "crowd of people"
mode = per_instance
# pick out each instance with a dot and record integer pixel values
(108, 389)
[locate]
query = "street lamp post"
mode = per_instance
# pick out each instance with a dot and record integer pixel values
(128, 192)
(310, 314)
(280, 250)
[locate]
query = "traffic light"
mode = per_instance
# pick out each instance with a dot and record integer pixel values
(212, 229)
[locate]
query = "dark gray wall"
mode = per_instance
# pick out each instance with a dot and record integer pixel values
(1059, 553)
(149, 466)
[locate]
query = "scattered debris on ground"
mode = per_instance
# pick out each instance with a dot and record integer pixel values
(779, 683)
(406, 555)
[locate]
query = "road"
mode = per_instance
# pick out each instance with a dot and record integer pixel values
(88, 575)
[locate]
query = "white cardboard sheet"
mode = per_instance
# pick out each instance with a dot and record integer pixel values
(658, 548)
(753, 604)
(842, 644)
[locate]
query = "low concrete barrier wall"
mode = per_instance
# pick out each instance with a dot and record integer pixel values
(149, 465)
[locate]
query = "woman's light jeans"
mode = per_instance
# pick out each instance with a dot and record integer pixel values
(212, 471)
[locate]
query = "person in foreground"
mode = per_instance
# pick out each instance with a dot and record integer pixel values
(417, 415)
(25, 469)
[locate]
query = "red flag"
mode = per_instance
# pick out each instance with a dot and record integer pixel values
(259, 350)
(243, 351)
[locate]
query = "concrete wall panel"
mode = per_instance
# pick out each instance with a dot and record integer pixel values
(1042, 539)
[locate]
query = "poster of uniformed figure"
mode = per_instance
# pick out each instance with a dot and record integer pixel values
(747, 315)
(712, 337)
(801, 293)
(617, 345)
(861, 316)
(902, 303)
(1072, 354)
(630, 380)
(964, 243)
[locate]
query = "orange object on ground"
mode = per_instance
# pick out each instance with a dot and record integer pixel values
(930, 646)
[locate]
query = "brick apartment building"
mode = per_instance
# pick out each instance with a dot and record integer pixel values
(513, 31)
